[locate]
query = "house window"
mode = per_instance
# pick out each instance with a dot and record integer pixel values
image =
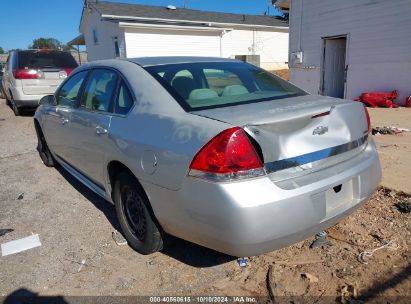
(116, 48)
(95, 38)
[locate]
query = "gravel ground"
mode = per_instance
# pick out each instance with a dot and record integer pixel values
(75, 225)
(394, 150)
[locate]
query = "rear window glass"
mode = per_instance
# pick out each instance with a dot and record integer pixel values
(46, 59)
(218, 80)
(205, 85)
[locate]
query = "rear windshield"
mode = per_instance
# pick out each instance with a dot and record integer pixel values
(45, 59)
(205, 85)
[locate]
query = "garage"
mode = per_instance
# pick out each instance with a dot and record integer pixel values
(142, 41)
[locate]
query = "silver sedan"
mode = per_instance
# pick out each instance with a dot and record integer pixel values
(214, 151)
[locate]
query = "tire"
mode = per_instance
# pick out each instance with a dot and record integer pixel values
(8, 103)
(43, 149)
(16, 109)
(137, 220)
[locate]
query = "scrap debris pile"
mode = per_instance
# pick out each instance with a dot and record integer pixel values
(381, 99)
(388, 130)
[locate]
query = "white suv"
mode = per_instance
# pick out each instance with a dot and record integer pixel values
(31, 74)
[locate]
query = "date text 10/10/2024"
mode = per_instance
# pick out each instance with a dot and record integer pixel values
(202, 299)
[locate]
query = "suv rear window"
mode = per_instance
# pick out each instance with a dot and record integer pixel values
(45, 59)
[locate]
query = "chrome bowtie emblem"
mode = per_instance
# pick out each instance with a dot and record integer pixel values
(320, 130)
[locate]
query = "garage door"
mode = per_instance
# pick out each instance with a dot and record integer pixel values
(142, 43)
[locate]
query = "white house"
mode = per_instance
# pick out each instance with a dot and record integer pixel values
(342, 48)
(111, 30)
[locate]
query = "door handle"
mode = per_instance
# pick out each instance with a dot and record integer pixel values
(64, 121)
(100, 130)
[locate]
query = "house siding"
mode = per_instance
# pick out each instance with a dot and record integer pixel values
(271, 46)
(378, 50)
(106, 31)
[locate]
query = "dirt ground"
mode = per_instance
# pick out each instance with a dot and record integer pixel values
(75, 225)
(394, 150)
(282, 73)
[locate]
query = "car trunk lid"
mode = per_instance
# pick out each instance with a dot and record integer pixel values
(299, 134)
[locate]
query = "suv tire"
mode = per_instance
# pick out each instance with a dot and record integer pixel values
(16, 109)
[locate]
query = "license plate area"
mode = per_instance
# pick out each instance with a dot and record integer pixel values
(52, 75)
(338, 197)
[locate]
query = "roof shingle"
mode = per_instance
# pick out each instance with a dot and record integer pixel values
(184, 14)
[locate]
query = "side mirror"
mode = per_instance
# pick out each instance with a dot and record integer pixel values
(48, 100)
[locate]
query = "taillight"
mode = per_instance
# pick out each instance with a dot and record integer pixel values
(25, 74)
(367, 115)
(65, 73)
(229, 155)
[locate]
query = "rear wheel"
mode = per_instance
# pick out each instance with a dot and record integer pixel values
(136, 218)
(7, 99)
(16, 109)
(43, 149)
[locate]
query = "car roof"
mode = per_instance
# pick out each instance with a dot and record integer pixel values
(45, 51)
(150, 61)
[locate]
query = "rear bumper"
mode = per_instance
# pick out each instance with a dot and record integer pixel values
(256, 216)
(27, 103)
(24, 100)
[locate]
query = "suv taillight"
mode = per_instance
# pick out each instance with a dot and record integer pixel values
(230, 155)
(25, 74)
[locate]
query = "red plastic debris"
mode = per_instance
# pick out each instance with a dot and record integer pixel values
(381, 99)
(408, 102)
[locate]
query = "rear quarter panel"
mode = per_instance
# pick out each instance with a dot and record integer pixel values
(159, 149)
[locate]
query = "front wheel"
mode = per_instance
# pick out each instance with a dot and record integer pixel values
(140, 228)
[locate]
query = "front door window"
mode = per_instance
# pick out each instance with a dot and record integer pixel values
(67, 95)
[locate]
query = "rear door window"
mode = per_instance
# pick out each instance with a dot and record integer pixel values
(68, 93)
(124, 101)
(99, 90)
(45, 59)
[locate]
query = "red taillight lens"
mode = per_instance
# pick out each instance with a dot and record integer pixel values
(229, 152)
(68, 71)
(25, 74)
(367, 115)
